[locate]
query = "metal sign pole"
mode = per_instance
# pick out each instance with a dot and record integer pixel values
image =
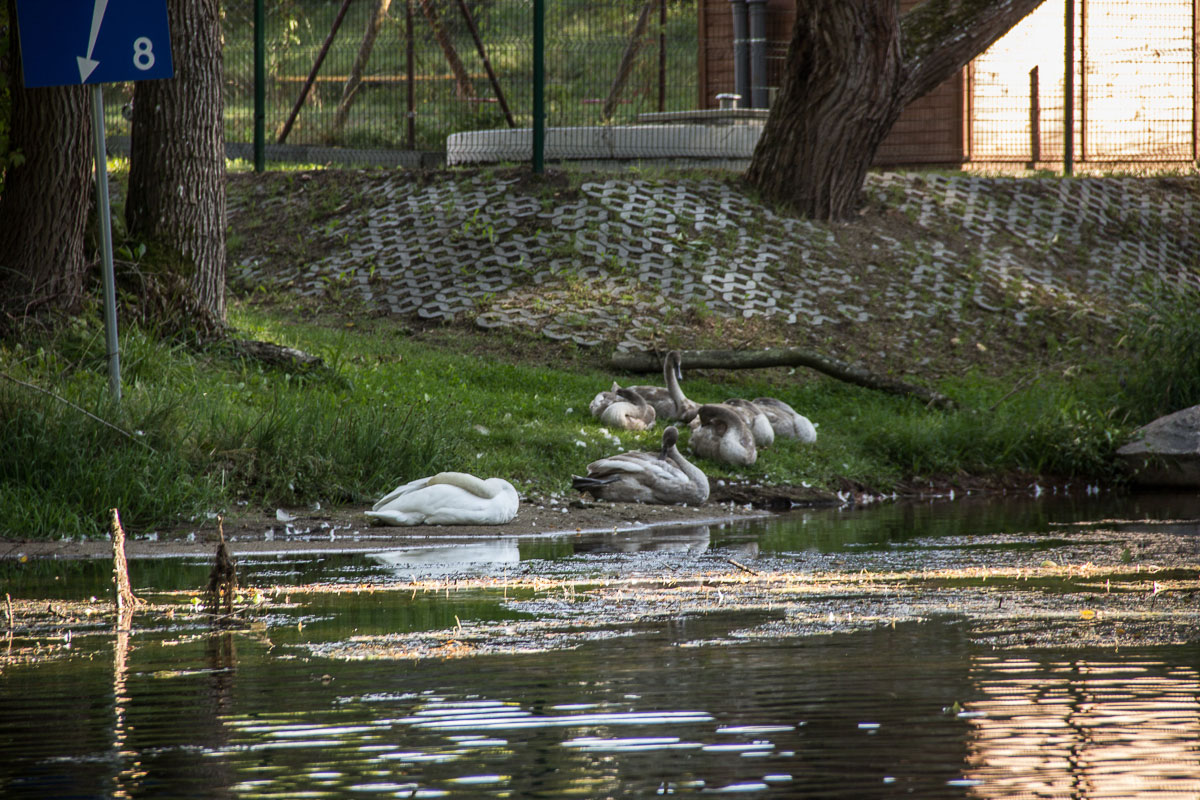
(104, 224)
(127, 40)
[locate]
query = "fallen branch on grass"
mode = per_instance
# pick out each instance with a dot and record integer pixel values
(83, 411)
(784, 357)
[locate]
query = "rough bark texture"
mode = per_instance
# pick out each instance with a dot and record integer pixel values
(176, 200)
(852, 67)
(836, 104)
(941, 37)
(785, 357)
(44, 208)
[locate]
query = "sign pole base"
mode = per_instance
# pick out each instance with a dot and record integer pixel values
(104, 224)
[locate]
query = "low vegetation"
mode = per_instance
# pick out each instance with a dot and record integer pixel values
(206, 430)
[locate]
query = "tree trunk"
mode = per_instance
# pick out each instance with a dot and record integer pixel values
(354, 81)
(176, 200)
(46, 199)
(627, 59)
(852, 67)
(838, 101)
(462, 79)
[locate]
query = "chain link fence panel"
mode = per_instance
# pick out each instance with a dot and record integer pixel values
(419, 82)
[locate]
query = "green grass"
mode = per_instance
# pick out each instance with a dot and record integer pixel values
(200, 433)
(1167, 329)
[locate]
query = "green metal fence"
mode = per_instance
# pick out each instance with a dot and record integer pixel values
(418, 81)
(406, 74)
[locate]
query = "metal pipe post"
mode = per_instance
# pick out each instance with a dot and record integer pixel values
(1035, 119)
(260, 90)
(741, 52)
(410, 98)
(539, 86)
(104, 224)
(760, 93)
(662, 55)
(1069, 87)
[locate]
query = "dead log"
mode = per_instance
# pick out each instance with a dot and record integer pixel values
(783, 357)
(312, 73)
(462, 79)
(276, 355)
(487, 62)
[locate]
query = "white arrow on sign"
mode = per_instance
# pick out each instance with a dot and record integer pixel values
(86, 64)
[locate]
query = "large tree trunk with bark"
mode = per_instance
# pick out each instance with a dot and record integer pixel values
(176, 200)
(836, 105)
(852, 67)
(44, 208)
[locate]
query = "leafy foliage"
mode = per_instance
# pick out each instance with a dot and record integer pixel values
(1162, 371)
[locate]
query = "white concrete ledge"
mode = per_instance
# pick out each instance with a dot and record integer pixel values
(620, 142)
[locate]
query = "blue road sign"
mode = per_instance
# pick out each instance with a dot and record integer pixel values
(72, 42)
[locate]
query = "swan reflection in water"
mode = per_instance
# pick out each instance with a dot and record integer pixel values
(673, 539)
(451, 558)
(448, 559)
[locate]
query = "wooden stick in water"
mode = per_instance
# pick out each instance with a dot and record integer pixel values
(125, 598)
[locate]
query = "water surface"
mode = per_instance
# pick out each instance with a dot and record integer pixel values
(181, 707)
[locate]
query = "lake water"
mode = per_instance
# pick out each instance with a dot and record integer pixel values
(918, 708)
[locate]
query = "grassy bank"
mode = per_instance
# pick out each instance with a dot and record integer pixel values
(207, 432)
(201, 432)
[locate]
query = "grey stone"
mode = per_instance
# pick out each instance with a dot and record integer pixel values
(1166, 452)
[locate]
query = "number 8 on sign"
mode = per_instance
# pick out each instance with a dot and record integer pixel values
(143, 53)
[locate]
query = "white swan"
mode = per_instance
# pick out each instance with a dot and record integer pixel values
(665, 477)
(786, 421)
(756, 418)
(669, 401)
(623, 408)
(723, 435)
(449, 498)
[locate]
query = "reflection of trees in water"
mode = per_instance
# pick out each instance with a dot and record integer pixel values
(824, 686)
(1088, 727)
(128, 771)
(222, 661)
(144, 718)
(830, 530)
